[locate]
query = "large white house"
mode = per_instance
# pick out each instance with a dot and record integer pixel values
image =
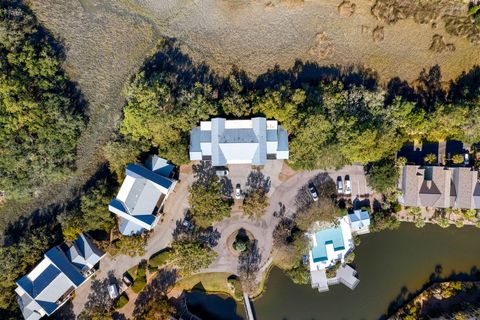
(53, 281)
(142, 195)
(250, 141)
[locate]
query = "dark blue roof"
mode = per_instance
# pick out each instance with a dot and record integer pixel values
(150, 175)
(61, 261)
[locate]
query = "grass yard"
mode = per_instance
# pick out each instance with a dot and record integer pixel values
(209, 282)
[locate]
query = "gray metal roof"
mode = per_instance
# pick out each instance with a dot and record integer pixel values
(237, 144)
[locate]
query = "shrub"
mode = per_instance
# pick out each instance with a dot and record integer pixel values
(443, 222)
(237, 287)
(459, 223)
(350, 257)
(121, 301)
(159, 259)
(396, 207)
(457, 159)
(419, 223)
(139, 284)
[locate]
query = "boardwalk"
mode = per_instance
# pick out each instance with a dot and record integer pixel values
(248, 307)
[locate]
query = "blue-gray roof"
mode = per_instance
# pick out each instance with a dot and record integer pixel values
(58, 257)
(137, 171)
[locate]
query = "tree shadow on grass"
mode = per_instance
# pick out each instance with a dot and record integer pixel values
(158, 288)
(47, 216)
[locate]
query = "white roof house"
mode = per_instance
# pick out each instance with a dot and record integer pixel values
(51, 283)
(250, 141)
(142, 195)
(330, 246)
(360, 221)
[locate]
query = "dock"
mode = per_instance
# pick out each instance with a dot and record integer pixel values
(248, 307)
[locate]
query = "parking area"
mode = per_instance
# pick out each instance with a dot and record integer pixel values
(239, 173)
(358, 181)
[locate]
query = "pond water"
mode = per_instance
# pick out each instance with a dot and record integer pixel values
(390, 265)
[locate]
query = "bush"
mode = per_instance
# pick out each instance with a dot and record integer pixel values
(350, 257)
(459, 223)
(139, 284)
(237, 287)
(419, 223)
(121, 301)
(443, 222)
(159, 259)
(396, 207)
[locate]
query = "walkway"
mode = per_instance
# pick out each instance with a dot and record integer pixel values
(248, 307)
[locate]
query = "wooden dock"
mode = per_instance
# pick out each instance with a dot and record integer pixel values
(248, 307)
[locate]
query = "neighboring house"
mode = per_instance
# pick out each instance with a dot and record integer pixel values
(440, 187)
(359, 221)
(53, 281)
(331, 246)
(142, 195)
(238, 141)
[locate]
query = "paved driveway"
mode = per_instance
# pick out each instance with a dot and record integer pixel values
(177, 203)
(281, 193)
(174, 210)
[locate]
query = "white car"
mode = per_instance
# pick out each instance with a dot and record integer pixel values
(466, 159)
(348, 188)
(113, 291)
(313, 192)
(238, 191)
(339, 185)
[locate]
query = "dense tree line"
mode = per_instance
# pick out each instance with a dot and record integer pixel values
(330, 123)
(39, 120)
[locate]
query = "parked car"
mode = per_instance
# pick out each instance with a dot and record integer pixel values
(127, 280)
(313, 192)
(466, 159)
(221, 172)
(113, 291)
(348, 188)
(238, 191)
(339, 185)
(187, 224)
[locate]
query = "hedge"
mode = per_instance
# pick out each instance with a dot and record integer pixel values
(121, 301)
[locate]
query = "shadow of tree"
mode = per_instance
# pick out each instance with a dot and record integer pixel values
(257, 180)
(48, 215)
(227, 186)
(158, 288)
(248, 265)
(185, 229)
(98, 300)
(324, 185)
(204, 172)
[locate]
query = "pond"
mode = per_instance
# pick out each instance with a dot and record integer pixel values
(390, 265)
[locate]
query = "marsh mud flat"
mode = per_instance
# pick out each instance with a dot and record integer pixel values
(257, 35)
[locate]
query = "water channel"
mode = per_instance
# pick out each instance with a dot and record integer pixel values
(390, 265)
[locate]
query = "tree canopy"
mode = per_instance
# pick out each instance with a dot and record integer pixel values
(39, 118)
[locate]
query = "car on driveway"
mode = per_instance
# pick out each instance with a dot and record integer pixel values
(238, 191)
(313, 192)
(466, 159)
(339, 185)
(222, 172)
(348, 187)
(113, 291)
